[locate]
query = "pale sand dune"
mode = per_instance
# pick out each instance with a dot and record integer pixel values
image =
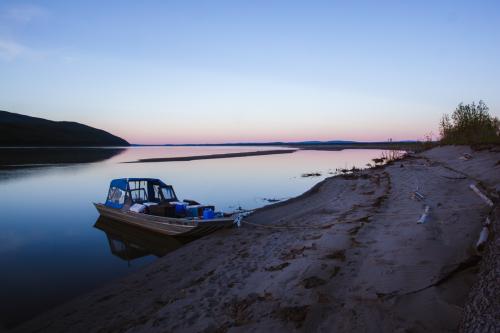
(347, 256)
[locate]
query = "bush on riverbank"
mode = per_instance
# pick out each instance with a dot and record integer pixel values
(470, 124)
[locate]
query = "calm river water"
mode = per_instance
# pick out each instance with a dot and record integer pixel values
(50, 250)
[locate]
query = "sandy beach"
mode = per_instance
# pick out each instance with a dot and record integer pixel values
(346, 256)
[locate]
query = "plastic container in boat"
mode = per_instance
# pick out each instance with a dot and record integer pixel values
(180, 207)
(208, 214)
(137, 208)
(193, 210)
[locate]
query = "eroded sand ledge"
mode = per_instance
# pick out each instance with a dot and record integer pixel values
(345, 256)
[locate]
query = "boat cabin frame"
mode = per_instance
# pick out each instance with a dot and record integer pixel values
(127, 191)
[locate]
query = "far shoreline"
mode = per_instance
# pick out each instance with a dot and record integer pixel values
(398, 145)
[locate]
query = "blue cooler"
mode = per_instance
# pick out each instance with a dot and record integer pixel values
(208, 214)
(180, 208)
(193, 210)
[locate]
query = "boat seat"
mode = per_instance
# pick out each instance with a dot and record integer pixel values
(162, 209)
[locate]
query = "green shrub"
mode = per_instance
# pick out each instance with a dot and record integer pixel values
(470, 124)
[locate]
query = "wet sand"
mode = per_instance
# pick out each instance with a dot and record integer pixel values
(346, 256)
(214, 156)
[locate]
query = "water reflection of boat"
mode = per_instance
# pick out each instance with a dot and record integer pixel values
(128, 242)
(151, 204)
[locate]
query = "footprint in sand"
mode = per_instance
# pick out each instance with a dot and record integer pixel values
(313, 282)
(278, 267)
(338, 255)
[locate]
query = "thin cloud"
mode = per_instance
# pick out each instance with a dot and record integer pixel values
(10, 50)
(25, 13)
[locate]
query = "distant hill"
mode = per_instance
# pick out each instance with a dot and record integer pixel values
(288, 143)
(20, 130)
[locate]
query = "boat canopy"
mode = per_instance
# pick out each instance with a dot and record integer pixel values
(138, 190)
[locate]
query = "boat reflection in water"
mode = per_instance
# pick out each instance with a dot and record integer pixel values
(128, 242)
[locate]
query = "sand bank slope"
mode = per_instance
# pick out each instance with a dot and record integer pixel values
(346, 256)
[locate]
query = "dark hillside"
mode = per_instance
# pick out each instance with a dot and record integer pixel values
(20, 130)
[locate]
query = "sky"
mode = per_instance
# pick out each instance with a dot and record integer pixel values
(156, 72)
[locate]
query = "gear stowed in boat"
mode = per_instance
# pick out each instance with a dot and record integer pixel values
(151, 204)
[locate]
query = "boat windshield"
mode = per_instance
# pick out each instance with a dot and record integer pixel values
(138, 190)
(116, 195)
(168, 193)
(162, 193)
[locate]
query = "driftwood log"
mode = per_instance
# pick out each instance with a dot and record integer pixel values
(484, 235)
(424, 216)
(482, 310)
(481, 195)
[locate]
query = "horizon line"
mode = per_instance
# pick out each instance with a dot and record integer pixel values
(311, 142)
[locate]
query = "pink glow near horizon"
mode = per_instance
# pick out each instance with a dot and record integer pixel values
(194, 137)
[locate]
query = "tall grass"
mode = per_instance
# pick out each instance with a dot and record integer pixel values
(470, 124)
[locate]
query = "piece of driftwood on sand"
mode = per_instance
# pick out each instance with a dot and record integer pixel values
(483, 235)
(481, 195)
(424, 216)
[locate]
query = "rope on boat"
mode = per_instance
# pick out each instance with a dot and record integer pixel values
(241, 214)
